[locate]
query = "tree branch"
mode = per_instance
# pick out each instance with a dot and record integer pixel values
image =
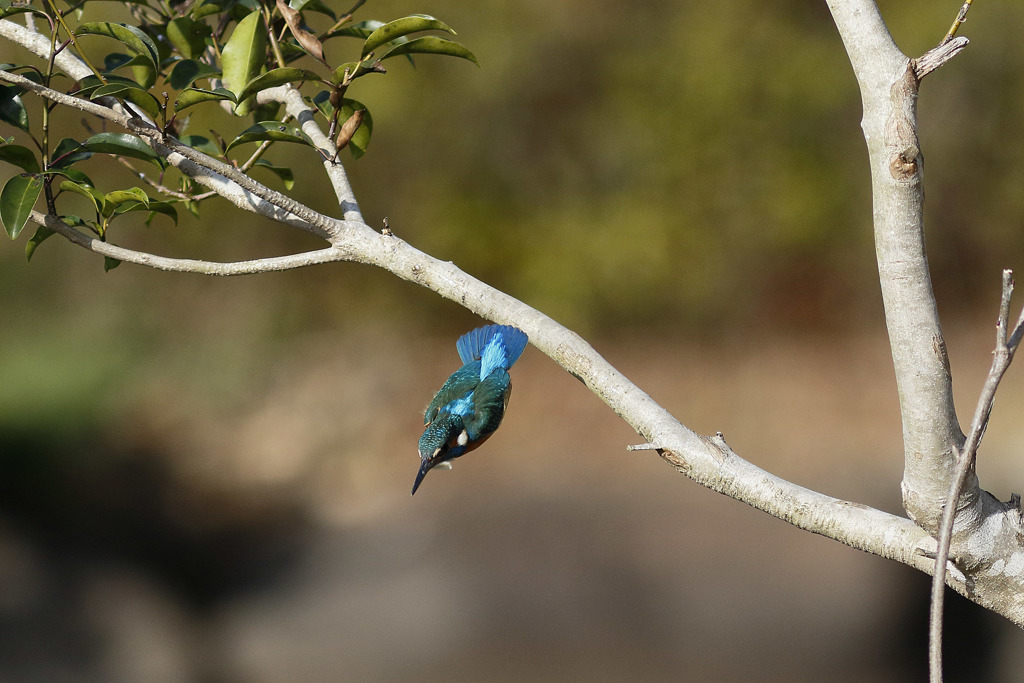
(300, 111)
(39, 44)
(211, 172)
(265, 265)
(987, 533)
(889, 91)
(1006, 346)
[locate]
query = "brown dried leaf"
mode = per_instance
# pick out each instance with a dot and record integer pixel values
(349, 128)
(306, 39)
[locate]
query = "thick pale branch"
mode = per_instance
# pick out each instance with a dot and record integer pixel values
(889, 86)
(705, 460)
(40, 45)
(986, 542)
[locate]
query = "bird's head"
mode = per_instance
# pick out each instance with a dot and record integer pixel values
(443, 439)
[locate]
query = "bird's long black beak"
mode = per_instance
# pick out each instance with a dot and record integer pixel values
(424, 468)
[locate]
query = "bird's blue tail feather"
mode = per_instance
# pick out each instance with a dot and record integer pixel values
(472, 344)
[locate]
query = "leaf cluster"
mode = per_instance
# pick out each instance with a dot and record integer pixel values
(178, 55)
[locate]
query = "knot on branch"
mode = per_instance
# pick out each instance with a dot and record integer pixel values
(900, 130)
(903, 164)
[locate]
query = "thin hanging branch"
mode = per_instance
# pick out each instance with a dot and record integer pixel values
(251, 267)
(1006, 347)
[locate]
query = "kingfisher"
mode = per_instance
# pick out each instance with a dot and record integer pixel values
(471, 403)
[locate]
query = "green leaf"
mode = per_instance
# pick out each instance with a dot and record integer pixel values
(109, 89)
(115, 60)
(128, 206)
(135, 39)
(201, 144)
(68, 152)
(193, 96)
(22, 157)
(282, 172)
(291, 52)
(431, 45)
(188, 36)
(122, 144)
(143, 71)
(31, 72)
(12, 109)
(90, 84)
(276, 77)
(188, 71)
(363, 29)
(402, 27)
(322, 102)
(110, 263)
(266, 112)
(164, 208)
(72, 174)
(16, 201)
(270, 130)
(87, 191)
(144, 101)
(9, 10)
(244, 56)
(41, 234)
(204, 9)
(142, 98)
(118, 197)
(356, 70)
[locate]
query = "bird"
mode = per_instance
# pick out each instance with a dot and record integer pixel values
(471, 403)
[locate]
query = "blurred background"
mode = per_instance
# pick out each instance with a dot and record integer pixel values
(208, 479)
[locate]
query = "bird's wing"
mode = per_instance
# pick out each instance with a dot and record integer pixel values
(460, 383)
(490, 398)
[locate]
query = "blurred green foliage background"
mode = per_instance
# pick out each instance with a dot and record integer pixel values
(690, 166)
(641, 171)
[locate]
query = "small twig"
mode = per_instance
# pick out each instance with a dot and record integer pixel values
(152, 183)
(961, 17)
(937, 56)
(643, 447)
(264, 146)
(346, 17)
(71, 36)
(1006, 346)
